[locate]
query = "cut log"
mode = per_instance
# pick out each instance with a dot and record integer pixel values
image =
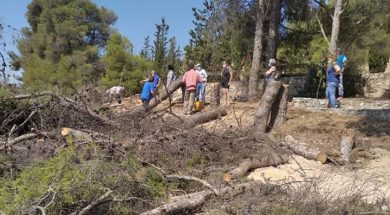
(204, 117)
(346, 145)
(262, 114)
(250, 164)
(279, 108)
(166, 93)
(76, 134)
(301, 149)
(185, 203)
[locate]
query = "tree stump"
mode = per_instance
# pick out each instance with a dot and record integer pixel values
(346, 145)
(262, 114)
(279, 108)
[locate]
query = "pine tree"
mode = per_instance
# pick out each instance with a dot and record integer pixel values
(61, 47)
(160, 46)
(146, 50)
(122, 67)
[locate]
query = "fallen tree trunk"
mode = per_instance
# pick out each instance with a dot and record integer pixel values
(262, 114)
(250, 164)
(186, 203)
(204, 117)
(346, 145)
(301, 149)
(279, 108)
(165, 93)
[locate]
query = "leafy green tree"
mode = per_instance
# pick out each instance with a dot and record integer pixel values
(122, 67)
(61, 47)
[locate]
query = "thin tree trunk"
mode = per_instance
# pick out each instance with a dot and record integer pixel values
(273, 32)
(217, 94)
(253, 93)
(338, 10)
(262, 113)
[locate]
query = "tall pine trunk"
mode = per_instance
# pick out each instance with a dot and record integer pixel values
(336, 26)
(273, 32)
(253, 94)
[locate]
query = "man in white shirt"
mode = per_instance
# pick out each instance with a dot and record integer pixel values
(116, 92)
(201, 88)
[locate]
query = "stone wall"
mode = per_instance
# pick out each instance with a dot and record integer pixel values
(379, 109)
(377, 84)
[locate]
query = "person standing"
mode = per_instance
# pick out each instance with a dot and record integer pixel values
(171, 77)
(270, 74)
(147, 92)
(341, 61)
(201, 88)
(332, 83)
(190, 79)
(226, 78)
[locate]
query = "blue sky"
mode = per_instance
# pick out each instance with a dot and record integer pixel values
(136, 18)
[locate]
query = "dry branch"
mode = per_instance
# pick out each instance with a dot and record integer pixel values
(24, 137)
(191, 178)
(250, 164)
(301, 149)
(262, 114)
(66, 101)
(185, 203)
(98, 201)
(346, 145)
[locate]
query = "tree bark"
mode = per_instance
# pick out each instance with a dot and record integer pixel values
(262, 114)
(250, 164)
(338, 10)
(253, 93)
(273, 32)
(24, 137)
(204, 117)
(301, 149)
(279, 108)
(346, 146)
(185, 203)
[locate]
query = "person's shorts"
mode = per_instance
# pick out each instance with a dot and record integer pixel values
(225, 85)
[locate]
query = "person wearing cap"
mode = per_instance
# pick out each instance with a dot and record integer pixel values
(201, 87)
(271, 72)
(190, 79)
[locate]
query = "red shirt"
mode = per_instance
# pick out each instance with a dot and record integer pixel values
(191, 79)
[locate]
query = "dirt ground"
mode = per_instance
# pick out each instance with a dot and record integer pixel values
(368, 173)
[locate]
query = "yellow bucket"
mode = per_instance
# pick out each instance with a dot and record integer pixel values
(199, 105)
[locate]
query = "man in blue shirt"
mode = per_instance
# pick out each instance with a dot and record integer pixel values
(332, 82)
(147, 92)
